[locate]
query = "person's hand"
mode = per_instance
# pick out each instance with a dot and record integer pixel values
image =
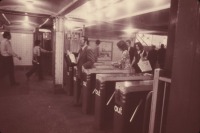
(19, 58)
(115, 64)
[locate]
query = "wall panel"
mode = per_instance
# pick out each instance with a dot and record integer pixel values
(22, 44)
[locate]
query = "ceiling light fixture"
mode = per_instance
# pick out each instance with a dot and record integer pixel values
(29, 4)
(130, 30)
(26, 19)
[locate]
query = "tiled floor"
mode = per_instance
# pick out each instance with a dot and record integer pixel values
(36, 107)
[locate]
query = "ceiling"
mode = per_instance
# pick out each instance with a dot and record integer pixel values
(100, 17)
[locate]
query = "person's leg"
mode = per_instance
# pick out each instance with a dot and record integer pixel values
(11, 71)
(79, 91)
(40, 72)
(32, 70)
(3, 69)
(1, 64)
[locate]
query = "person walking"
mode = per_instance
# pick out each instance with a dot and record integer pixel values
(7, 63)
(37, 61)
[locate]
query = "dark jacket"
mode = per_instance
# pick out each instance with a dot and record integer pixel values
(86, 59)
(131, 53)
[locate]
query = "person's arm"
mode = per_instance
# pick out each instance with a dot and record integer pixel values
(10, 51)
(97, 52)
(134, 59)
(44, 51)
(143, 55)
(123, 58)
(90, 59)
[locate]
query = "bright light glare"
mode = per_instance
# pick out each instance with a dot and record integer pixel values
(99, 4)
(73, 25)
(44, 30)
(157, 2)
(89, 7)
(110, 12)
(29, 6)
(127, 83)
(26, 25)
(130, 5)
(69, 25)
(26, 19)
(99, 16)
(130, 30)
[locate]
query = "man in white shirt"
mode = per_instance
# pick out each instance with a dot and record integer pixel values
(7, 54)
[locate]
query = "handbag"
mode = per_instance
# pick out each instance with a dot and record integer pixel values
(144, 65)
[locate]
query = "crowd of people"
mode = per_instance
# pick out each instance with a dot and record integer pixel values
(131, 55)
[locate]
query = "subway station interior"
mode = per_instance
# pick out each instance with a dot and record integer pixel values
(99, 66)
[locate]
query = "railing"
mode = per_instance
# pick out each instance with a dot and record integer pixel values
(161, 88)
(140, 39)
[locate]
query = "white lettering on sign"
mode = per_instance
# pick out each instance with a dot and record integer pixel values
(67, 73)
(118, 109)
(97, 92)
(74, 78)
(84, 83)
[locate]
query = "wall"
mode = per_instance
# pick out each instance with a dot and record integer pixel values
(116, 54)
(152, 39)
(22, 44)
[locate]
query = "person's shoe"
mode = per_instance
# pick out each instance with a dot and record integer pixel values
(15, 84)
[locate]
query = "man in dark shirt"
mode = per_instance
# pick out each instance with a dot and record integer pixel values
(131, 50)
(152, 57)
(161, 56)
(85, 59)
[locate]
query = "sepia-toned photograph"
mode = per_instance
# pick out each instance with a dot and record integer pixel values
(99, 66)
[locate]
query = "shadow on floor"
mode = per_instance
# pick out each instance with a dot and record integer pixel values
(36, 107)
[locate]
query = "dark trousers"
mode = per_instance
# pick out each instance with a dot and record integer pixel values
(7, 68)
(36, 68)
(78, 92)
(137, 69)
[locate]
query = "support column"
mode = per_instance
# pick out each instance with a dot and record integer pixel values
(59, 50)
(183, 114)
(171, 37)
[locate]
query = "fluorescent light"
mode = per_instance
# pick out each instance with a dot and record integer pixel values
(26, 25)
(44, 30)
(29, 4)
(26, 19)
(130, 30)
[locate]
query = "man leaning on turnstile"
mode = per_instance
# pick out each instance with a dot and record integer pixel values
(85, 59)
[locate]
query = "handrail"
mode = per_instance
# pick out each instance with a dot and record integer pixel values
(154, 104)
(141, 39)
(168, 80)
